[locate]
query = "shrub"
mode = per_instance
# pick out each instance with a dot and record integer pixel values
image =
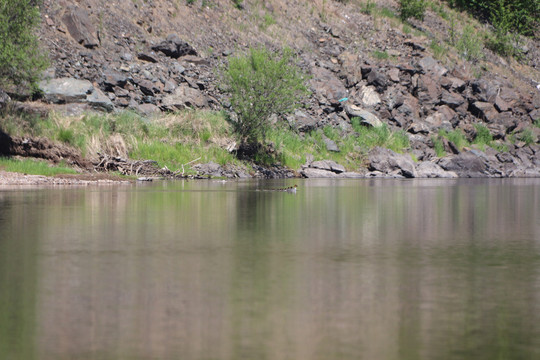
(261, 84)
(21, 60)
(469, 44)
(412, 9)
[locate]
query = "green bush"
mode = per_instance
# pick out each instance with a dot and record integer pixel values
(261, 84)
(412, 9)
(469, 44)
(21, 60)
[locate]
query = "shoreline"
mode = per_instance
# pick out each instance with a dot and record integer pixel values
(8, 178)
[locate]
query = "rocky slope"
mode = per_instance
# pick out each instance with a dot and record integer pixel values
(155, 56)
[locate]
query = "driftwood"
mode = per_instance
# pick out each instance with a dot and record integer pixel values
(141, 168)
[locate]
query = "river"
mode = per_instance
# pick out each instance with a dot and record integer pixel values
(344, 269)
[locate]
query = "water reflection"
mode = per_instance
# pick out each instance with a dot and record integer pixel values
(343, 269)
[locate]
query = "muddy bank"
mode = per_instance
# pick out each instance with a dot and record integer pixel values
(11, 178)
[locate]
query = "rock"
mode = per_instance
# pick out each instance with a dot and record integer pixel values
(366, 118)
(377, 79)
(328, 165)
(4, 99)
(501, 105)
(148, 109)
(184, 97)
(432, 67)
(80, 27)
(113, 78)
(330, 144)
(208, 169)
(451, 99)
(427, 90)
(472, 163)
(390, 162)
(407, 113)
(302, 122)
(369, 96)
(327, 87)
(192, 59)
(147, 56)
(65, 90)
(318, 173)
(453, 84)
(393, 74)
(428, 169)
(97, 99)
(174, 47)
(484, 110)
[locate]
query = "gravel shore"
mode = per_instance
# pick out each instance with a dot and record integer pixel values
(11, 178)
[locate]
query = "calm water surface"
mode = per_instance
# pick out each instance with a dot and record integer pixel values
(364, 269)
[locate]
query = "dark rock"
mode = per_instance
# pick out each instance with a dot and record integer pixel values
(451, 99)
(483, 110)
(80, 27)
(378, 79)
(453, 84)
(150, 57)
(147, 87)
(427, 90)
(97, 99)
(407, 113)
(390, 162)
(535, 115)
(485, 90)
(327, 87)
(174, 47)
(113, 78)
(471, 163)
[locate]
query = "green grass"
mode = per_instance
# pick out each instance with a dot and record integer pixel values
(33, 167)
(293, 148)
(380, 55)
(456, 137)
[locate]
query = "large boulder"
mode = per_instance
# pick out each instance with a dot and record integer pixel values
(174, 47)
(65, 90)
(432, 67)
(428, 169)
(391, 163)
(302, 121)
(80, 27)
(472, 163)
(327, 87)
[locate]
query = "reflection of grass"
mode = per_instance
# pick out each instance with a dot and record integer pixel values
(33, 167)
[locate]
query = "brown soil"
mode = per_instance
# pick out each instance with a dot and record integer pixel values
(11, 178)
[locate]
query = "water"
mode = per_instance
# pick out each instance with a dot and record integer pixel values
(365, 269)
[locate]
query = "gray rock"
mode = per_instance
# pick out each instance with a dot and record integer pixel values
(327, 87)
(428, 90)
(428, 169)
(211, 169)
(4, 99)
(378, 79)
(369, 96)
(330, 144)
(184, 97)
(390, 162)
(65, 90)
(432, 66)
(328, 165)
(174, 47)
(148, 109)
(80, 27)
(302, 122)
(472, 163)
(98, 99)
(318, 173)
(366, 117)
(113, 78)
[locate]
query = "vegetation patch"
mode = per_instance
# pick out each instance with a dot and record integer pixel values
(33, 167)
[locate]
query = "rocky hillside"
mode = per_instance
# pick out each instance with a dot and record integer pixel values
(425, 78)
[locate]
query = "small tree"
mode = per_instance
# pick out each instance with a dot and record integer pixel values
(412, 8)
(21, 60)
(261, 84)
